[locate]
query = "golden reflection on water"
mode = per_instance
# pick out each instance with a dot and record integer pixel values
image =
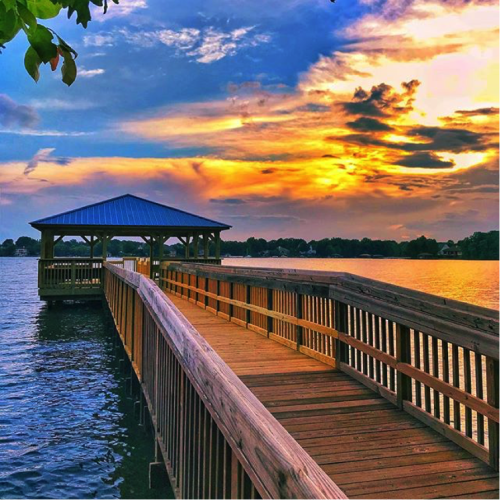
(470, 281)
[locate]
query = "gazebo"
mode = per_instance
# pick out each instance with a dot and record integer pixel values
(131, 216)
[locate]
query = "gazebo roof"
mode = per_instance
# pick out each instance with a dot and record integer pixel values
(128, 211)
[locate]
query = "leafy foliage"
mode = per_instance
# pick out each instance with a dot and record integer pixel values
(479, 246)
(45, 46)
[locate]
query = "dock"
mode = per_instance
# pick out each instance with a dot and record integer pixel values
(264, 383)
(281, 383)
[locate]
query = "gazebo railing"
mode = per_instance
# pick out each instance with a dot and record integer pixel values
(70, 275)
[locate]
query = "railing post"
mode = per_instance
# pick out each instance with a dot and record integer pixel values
(231, 296)
(270, 308)
(403, 355)
(248, 300)
(217, 292)
(299, 316)
(73, 275)
(492, 395)
(341, 315)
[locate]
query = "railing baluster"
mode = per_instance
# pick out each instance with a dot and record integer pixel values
(392, 352)
(457, 422)
(467, 388)
(480, 394)
(493, 397)
(403, 355)
(435, 372)
(427, 389)
(378, 368)
(446, 377)
(416, 352)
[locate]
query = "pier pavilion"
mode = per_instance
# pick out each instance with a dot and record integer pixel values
(126, 215)
(283, 383)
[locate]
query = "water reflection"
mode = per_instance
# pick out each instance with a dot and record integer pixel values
(67, 428)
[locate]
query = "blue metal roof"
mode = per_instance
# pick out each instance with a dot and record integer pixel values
(129, 210)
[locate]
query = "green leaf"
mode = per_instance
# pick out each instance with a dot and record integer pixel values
(81, 7)
(43, 9)
(64, 46)
(9, 4)
(9, 24)
(27, 17)
(68, 68)
(32, 63)
(41, 41)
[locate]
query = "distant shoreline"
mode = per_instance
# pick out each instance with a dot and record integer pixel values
(224, 257)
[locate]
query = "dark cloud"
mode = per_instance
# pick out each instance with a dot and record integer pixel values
(447, 139)
(268, 171)
(314, 108)
(478, 112)
(382, 100)
(423, 160)
(228, 201)
(16, 115)
(44, 155)
(433, 139)
(365, 124)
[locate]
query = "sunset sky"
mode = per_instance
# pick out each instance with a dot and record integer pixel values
(300, 118)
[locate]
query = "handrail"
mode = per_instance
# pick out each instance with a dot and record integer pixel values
(445, 318)
(70, 276)
(273, 461)
(435, 358)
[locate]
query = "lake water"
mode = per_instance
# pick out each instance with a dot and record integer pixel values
(66, 425)
(67, 428)
(470, 281)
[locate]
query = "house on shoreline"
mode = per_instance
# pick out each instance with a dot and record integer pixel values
(450, 251)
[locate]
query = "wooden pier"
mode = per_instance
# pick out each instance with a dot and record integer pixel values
(285, 384)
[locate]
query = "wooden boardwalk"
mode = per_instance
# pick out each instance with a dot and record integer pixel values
(369, 447)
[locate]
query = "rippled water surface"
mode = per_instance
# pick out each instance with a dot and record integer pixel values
(67, 428)
(470, 281)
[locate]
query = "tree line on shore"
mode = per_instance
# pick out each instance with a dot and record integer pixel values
(479, 246)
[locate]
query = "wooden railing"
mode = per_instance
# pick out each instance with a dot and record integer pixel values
(216, 437)
(129, 263)
(433, 357)
(68, 277)
(143, 264)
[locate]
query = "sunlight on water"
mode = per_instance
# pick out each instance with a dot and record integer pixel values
(475, 282)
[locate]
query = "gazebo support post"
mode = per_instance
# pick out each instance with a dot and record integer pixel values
(151, 256)
(105, 239)
(217, 245)
(92, 244)
(93, 240)
(196, 239)
(186, 248)
(205, 246)
(47, 245)
(161, 242)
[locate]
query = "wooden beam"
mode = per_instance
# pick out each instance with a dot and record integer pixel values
(493, 400)
(205, 246)
(196, 239)
(47, 245)
(105, 239)
(217, 245)
(58, 239)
